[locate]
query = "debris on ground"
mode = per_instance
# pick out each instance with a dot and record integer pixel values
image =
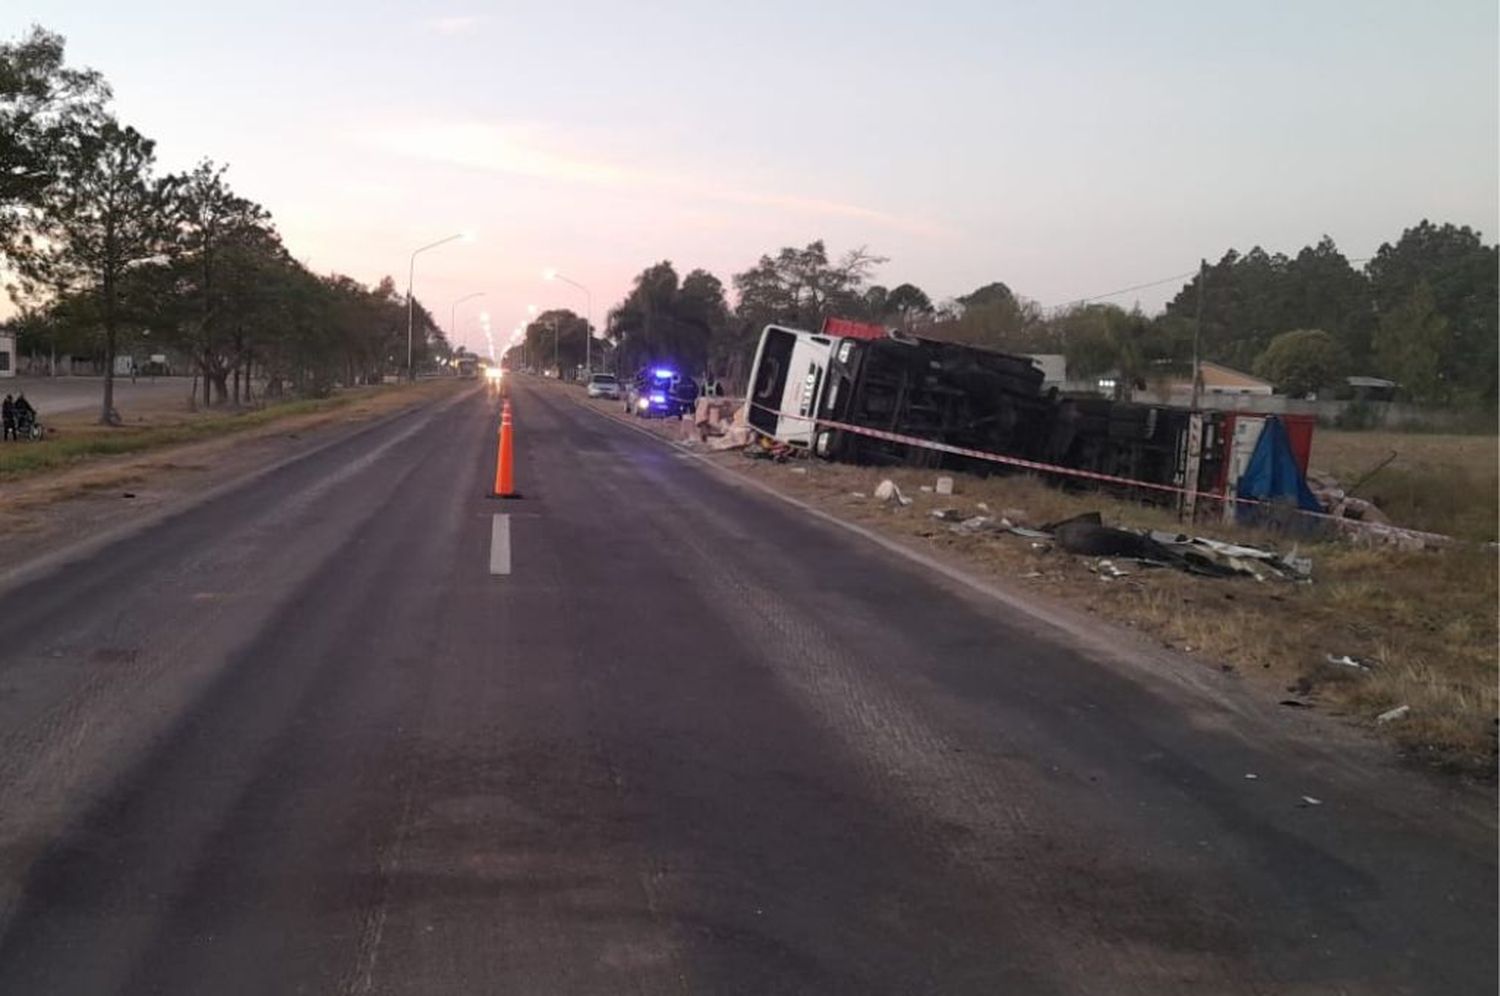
(1087, 535)
(1308, 800)
(980, 524)
(887, 491)
(766, 448)
(948, 514)
(1338, 502)
(1107, 569)
(944, 486)
(1390, 715)
(1344, 660)
(736, 437)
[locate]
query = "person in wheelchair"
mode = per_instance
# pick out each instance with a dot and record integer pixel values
(24, 424)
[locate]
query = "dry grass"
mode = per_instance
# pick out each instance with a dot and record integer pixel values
(1445, 484)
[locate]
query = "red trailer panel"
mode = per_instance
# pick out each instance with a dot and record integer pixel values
(848, 328)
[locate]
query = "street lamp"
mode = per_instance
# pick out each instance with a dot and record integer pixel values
(453, 311)
(588, 318)
(411, 272)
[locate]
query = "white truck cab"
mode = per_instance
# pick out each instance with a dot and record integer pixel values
(790, 368)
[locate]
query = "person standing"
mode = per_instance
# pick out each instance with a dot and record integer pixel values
(8, 418)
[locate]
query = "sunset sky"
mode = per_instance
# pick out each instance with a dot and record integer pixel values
(1068, 149)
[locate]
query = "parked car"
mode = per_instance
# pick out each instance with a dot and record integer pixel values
(603, 386)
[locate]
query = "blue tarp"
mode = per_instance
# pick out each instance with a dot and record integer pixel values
(1273, 475)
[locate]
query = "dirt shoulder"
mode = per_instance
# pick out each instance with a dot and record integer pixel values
(52, 504)
(1420, 625)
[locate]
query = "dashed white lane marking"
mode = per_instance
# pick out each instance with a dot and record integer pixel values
(500, 544)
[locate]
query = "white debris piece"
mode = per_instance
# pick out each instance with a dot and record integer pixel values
(886, 490)
(1400, 712)
(945, 485)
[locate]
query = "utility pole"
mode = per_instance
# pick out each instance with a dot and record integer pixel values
(1198, 333)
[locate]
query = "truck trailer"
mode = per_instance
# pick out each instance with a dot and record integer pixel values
(843, 398)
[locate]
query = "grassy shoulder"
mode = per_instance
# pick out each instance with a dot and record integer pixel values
(1425, 620)
(76, 442)
(1446, 484)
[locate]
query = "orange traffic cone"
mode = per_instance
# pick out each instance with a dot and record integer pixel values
(505, 484)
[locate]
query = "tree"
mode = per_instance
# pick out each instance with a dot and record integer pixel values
(908, 303)
(995, 318)
(1301, 361)
(989, 294)
(664, 320)
(45, 110)
(1463, 282)
(1410, 344)
(801, 287)
(1246, 301)
(557, 334)
(218, 233)
(105, 216)
(1323, 291)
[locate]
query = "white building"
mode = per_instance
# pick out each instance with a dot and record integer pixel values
(7, 354)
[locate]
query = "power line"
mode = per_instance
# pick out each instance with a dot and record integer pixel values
(1127, 290)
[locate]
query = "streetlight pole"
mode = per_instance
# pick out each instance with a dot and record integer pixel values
(453, 311)
(411, 272)
(588, 319)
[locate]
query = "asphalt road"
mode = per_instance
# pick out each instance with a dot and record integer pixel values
(300, 740)
(55, 396)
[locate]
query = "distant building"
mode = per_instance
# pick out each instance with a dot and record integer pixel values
(1219, 379)
(1371, 388)
(7, 354)
(1220, 385)
(1054, 367)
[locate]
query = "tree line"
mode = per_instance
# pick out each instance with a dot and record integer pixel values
(102, 249)
(1421, 312)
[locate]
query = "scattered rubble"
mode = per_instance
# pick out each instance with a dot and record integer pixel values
(887, 491)
(1087, 535)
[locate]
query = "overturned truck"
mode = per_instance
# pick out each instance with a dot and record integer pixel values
(876, 397)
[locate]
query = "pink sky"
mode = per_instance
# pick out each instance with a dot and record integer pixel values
(1067, 149)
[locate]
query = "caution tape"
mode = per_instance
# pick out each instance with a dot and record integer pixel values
(1045, 468)
(1094, 475)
